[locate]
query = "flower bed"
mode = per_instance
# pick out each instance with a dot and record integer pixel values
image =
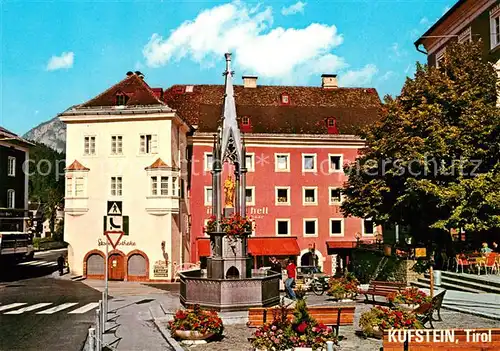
(342, 288)
(378, 319)
(285, 334)
(411, 296)
(200, 323)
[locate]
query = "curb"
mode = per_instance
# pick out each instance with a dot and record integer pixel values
(166, 334)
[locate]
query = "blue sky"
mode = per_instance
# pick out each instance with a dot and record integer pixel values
(57, 54)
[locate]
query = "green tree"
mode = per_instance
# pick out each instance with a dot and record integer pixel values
(432, 161)
(46, 181)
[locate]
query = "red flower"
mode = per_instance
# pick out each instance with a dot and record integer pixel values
(301, 328)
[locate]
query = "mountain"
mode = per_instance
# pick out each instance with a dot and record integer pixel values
(51, 133)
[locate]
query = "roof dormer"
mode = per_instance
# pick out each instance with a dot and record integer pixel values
(331, 125)
(285, 98)
(121, 98)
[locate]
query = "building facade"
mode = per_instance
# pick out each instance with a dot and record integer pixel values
(14, 154)
(124, 150)
(466, 20)
(297, 140)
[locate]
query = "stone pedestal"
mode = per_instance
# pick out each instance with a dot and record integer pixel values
(229, 258)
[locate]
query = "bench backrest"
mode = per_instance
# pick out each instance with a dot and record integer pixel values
(386, 286)
(438, 300)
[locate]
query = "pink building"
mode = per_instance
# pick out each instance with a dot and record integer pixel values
(297, 139)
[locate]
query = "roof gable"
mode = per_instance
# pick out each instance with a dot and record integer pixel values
(133, 86)
(77, 166)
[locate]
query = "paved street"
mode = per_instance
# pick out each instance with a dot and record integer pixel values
(38, 312)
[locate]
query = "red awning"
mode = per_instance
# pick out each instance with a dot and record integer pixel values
(260, 247)
(340, 244)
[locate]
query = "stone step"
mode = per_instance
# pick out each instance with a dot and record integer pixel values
(465, 282)
(426, 284)
(490, 280)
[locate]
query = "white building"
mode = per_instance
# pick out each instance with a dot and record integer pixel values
(126, 146)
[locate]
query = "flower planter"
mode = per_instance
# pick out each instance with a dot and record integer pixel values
(377, 333)
(192, 335)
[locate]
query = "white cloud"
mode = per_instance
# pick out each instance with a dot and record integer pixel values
(58, 62)
(387, 75)
(396, 51)
(272, 53)
(424, 21)
(294, 9)
(360, 78)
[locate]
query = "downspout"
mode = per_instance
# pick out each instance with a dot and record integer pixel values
(417, 46)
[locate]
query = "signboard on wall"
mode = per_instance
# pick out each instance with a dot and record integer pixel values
(160, 269)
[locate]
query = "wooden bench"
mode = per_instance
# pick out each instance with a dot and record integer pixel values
(333, 316)
(382, 288)
(425, 311)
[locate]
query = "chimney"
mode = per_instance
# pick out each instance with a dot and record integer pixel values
(329, 81)
(130, 73)
(139, 74)
(250, 81)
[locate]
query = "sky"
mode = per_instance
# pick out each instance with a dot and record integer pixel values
(55, 54)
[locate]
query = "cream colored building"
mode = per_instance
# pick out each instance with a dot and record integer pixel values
(126, 146)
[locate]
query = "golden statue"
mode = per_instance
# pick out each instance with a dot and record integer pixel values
(229, 192)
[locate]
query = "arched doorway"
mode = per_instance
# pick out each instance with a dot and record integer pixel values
(116, 267)
(307, 257)
(137, 267)
(95, 266)
(232, 273)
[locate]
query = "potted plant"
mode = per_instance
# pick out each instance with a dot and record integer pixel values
(408, 299)
(343, 288)
(376, 320)
(233, 226)
(301, 333)
(196, 324)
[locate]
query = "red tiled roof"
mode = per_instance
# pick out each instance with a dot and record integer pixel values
(77, 166)
(307, 112)
(137, 90)
(259, 246)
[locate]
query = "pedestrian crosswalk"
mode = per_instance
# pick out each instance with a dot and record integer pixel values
(17, 308)
(38, 264)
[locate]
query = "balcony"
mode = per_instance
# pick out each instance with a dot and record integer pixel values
(76, 206)
(161, 205)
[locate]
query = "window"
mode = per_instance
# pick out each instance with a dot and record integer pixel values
(465, 36)
(335, 163)
(245, 121)
(116, 186)
(209, 159)
(208, 196)
(282, 162)
(154, 186)
(11, 198)
(336, 226)
(69, 186)
(250, 196)
(440, 57)
(89, 145)
(205, 223)
(282, 195)
(331, 122)
(310, 196)
(116, 145)
(249, 162)
(148, 144)
(310, 227)
(368, 227)
(11, 166)
(189, 88)
(121, 99)
(282, 227)
(285, 99)
(335, 196)
(308, 162)
(80, 186)
(495, 27)
(175, 190)
(164, 186)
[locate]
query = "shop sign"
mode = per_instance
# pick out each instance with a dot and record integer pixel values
(101, 242)
(160, 269)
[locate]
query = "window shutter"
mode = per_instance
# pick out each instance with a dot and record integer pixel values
(154, 144)
(142, 144)
(125, 225)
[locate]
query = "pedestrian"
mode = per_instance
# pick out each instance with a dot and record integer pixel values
(275, 265)
(485, 249)
(290, 280)
(60, 264)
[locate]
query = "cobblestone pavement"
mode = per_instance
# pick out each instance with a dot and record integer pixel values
(236, 336)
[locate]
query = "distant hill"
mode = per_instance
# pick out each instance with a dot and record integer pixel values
(51, 133)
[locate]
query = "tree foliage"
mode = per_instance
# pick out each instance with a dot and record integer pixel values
(432, 161)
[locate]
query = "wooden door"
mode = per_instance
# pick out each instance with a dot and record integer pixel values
(116, 269)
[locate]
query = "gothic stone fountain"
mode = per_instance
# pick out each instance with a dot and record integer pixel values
(229, 284)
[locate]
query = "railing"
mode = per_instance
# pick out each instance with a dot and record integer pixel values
(95, 336)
